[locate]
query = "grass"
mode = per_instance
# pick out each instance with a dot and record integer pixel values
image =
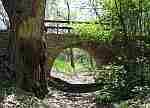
(65, 67)
(62, 66)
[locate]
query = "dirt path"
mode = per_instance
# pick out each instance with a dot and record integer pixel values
(55, 99)
(59, 99)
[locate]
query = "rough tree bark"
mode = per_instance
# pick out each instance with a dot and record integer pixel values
(27, 45)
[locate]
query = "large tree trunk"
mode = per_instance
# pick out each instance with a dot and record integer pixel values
(27, 45)
(9, 7)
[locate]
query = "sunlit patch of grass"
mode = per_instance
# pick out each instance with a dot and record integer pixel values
(124, 105)
(82, 60)
(65, 67)
(62, 66)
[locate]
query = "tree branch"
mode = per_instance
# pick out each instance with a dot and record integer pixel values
(121, 18)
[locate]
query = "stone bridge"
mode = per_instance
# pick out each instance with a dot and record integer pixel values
(56, 44)
(101, 52)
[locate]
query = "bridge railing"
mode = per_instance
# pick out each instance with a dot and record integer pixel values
(62, 26)
(58, 27)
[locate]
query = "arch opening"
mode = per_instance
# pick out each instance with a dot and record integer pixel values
(83, 70)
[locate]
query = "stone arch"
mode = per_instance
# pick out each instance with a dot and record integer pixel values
(102, 53)
(85, 51)
(54, 52)
(62, 69)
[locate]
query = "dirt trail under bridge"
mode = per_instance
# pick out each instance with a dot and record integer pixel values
(55, 98)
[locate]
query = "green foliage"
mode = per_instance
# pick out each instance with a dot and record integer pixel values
(65, 67)
(7, 87)
(127, 15)
(7, 83)
(62, 66)
(124, 82)
(114, 77)
(140, 91)
(123, 15)
(82, 61)
(104, 98)
(128, 80)
(124, 105)
(94, 32)
(111, 74)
